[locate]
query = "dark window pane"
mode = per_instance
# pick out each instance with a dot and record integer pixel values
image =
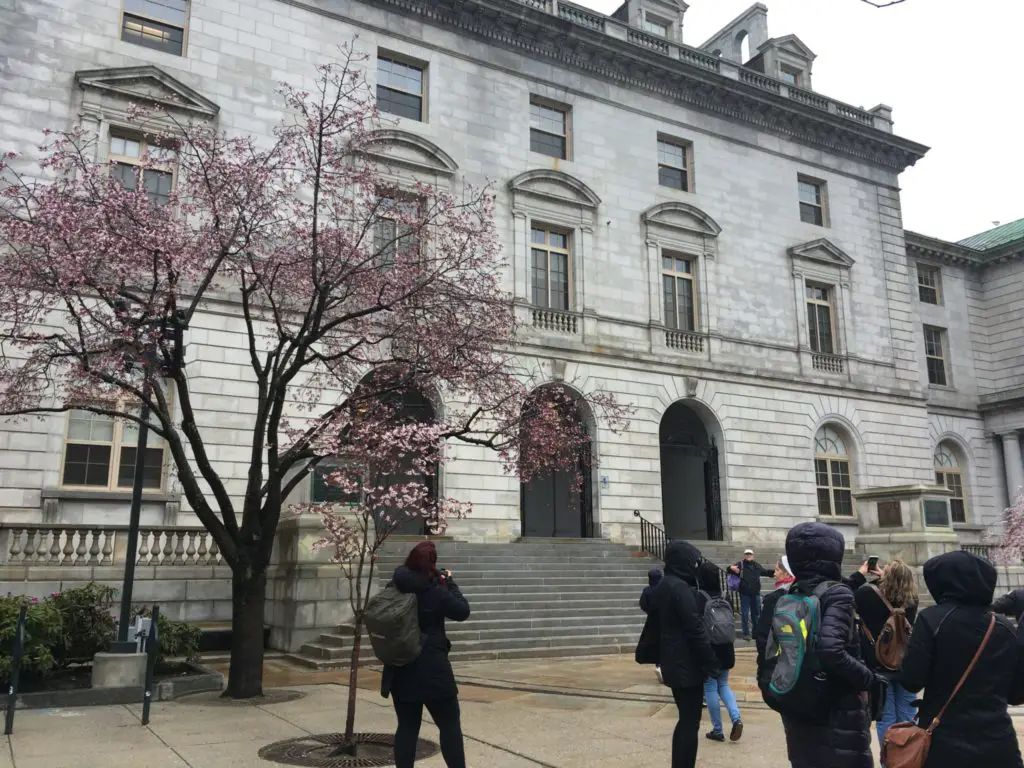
(671, 315)
(124, 173)
(936, 372)
(825, 346)
(547, 119)
(840, 474)
(86, 464)
(559, 281)
(398, 103)
(940, 478)
(927, 295)
(821, 472)
(812, 328)
(684, 288)
(672, 177)
(158, 186)
(152, 472)
(547, 144)
(844, 503)
(810, 214)
(540, 278)
(330, 493)
(384, 234)
(959, 513)
(824, 502)
(172, 11)
(152, 34)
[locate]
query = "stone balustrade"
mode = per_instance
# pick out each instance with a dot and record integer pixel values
(828, 363)
(555, 320)
(684, 341)
(83, 545)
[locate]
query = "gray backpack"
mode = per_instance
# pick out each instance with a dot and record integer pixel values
(393, 624)
(719, 622)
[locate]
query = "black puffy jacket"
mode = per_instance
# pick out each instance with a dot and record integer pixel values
(976, 730)
(430, 676)
(1011, 604)
(815, 552)
(685, 654)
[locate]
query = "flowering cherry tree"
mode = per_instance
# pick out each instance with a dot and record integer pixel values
(325, 267)
(1010, 549)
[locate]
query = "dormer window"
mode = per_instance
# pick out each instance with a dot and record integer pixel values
(656, 26)
(790, 76)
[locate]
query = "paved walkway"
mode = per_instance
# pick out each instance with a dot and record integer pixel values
(599, 712)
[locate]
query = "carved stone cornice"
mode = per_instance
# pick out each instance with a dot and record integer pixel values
(576, 45)
(925, 247)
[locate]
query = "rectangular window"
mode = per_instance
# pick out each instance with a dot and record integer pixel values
(674, 158)
(835, 495)
(790, 76)
(100, 452)
(127, 155)
(812, 201)
(400, 88)
(677, 277)
(656, 26)
(395, 232)
(549, 129)
(928, 284)
(157, 24)
(955, 482)
(935, 355)
(322, 491)
(549, 268)
(819, 319)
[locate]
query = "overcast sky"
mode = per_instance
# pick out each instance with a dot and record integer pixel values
(950, 69)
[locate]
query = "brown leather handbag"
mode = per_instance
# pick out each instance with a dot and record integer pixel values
(907, 744)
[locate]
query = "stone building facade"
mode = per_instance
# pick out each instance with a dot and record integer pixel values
(692, 229)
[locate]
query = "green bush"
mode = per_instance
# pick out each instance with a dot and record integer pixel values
(42, 634)
(88, 626)
(177, 638)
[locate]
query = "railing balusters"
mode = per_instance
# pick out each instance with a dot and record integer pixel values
(47, 544)
(15, 550)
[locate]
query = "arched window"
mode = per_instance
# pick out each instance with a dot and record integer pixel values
(743, 41)
(832, 473)
(949, 473)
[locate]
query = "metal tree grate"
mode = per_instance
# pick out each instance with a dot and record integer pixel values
(318, 751)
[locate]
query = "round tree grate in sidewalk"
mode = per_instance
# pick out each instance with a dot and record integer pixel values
(318, 751)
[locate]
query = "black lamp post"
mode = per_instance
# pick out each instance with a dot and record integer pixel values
(175, 327)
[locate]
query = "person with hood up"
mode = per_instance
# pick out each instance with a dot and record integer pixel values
(429, 680)
(783, 580)
(975, 729)
(815, 551)
(684, 650)
(653, 577)
(1011, 604)
(717, 688)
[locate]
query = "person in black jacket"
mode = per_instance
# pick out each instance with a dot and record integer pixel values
(1011, 604)
(750, 572)
(898, 586)
(686, 655)
(815, 552)
(976, 729)
(783, 581)
(653, 577)
(429, 680)
(717, 688)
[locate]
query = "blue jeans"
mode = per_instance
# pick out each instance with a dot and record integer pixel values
(750, 604)
(715, 688)
(897, 709)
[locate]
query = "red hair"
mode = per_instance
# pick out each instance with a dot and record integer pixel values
(423, 559)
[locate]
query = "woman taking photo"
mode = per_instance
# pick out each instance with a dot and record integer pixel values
(894, 593)
(428, 681)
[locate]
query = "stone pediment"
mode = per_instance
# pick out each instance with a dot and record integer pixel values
(821, 252)
(791, 44)
(391, 145)
(682, 216)
(555, 186)
(148, 85)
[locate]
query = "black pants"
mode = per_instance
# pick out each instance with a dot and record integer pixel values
(690, 702)
(445, 713)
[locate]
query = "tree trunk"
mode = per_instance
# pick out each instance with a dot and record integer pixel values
(245, 675)
(353, 679)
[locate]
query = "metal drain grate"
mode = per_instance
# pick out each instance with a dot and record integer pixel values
(317, 751)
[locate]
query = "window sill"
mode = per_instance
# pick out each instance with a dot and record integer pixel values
(971, 527)
(833, 519)
(81, 494)
(941, 387)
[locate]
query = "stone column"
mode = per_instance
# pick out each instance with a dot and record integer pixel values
(1012, 464)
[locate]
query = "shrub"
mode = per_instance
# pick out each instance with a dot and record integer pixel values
(88, 626)
(177, 638)
(42, 634)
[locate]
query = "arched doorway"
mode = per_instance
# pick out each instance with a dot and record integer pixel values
(559, 503)
(691, 498)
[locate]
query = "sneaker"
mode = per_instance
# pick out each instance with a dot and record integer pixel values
(737, 731)
(715, 735)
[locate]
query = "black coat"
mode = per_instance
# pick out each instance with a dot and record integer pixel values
(430, 676)
(710, 586)
(686, 656)
(815, 552)
(750, 576)
(1011, 604)
(873, 615)
(976, 729)
(763, 630)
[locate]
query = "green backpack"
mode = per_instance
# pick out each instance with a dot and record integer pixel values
(393, 624)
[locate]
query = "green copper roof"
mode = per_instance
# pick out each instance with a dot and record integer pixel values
(993, 238)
